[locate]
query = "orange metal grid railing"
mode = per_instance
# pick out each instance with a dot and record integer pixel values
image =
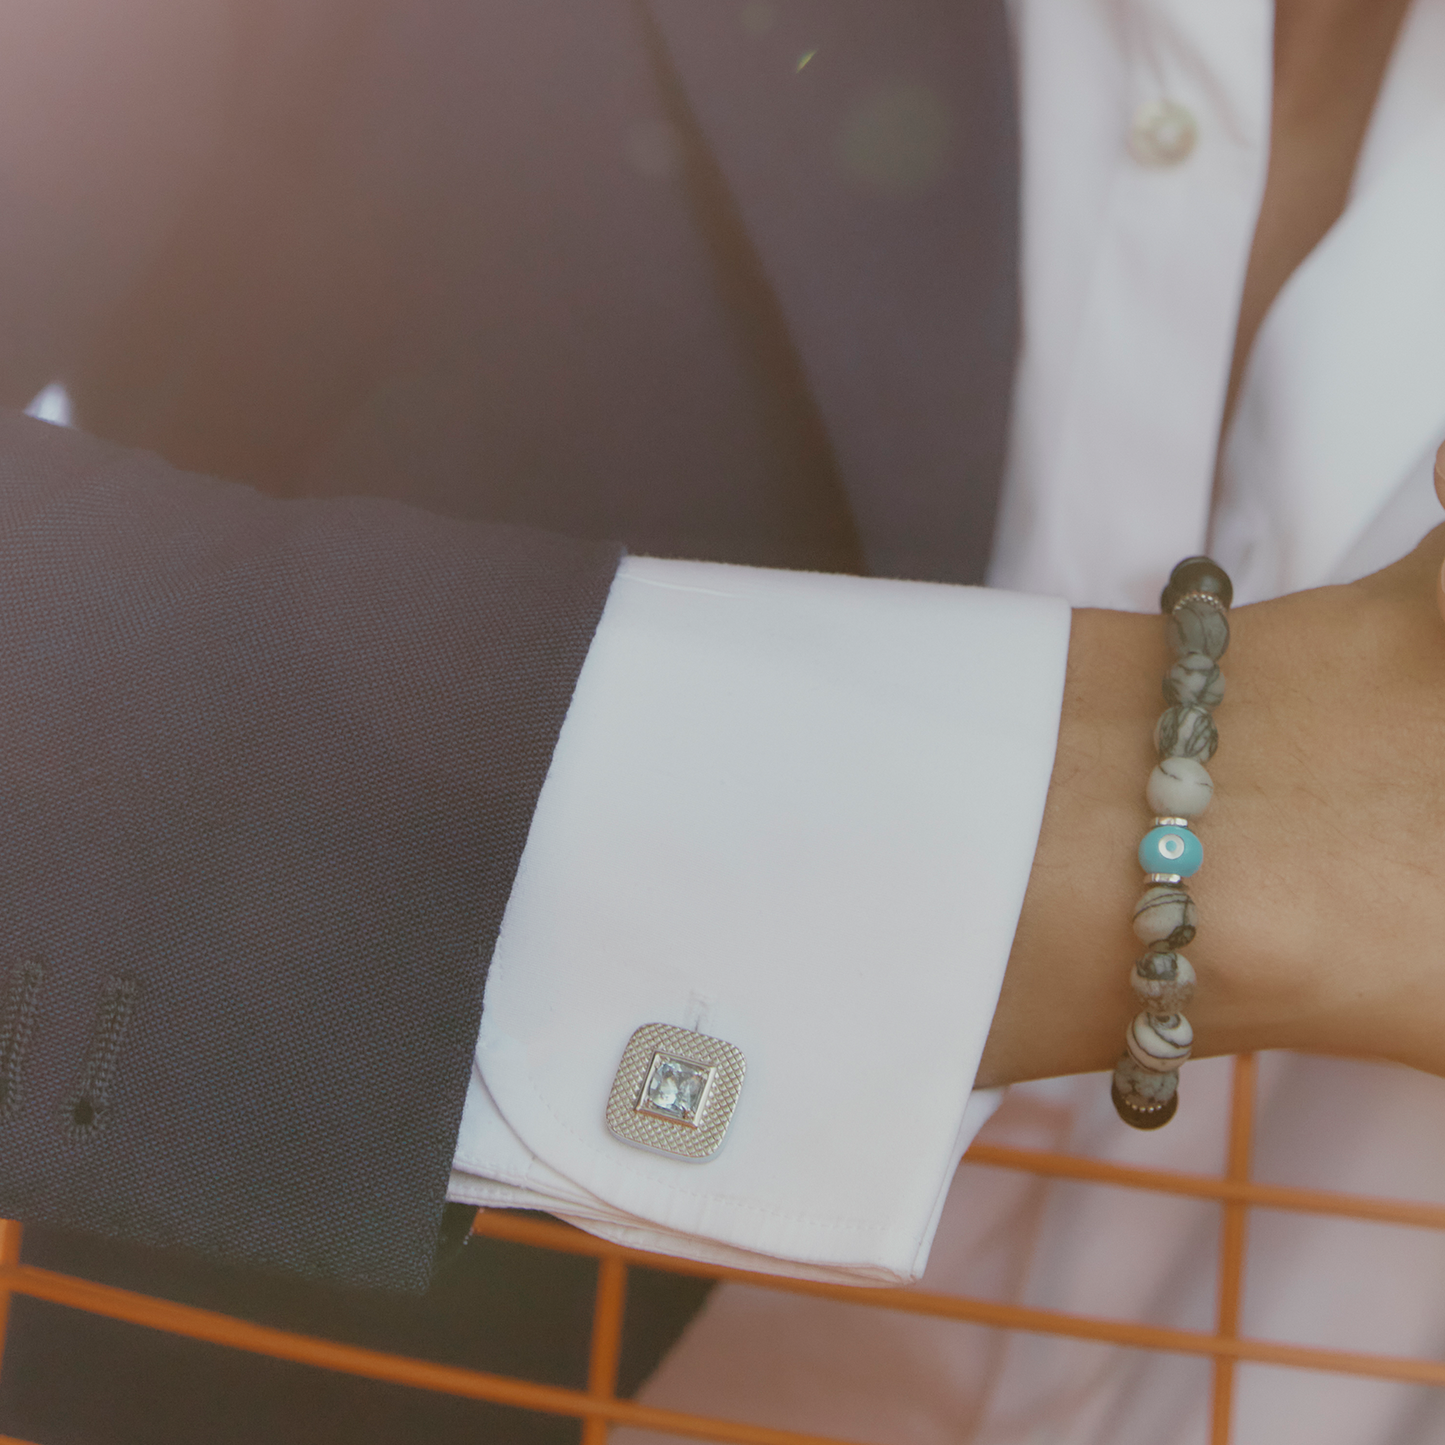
(598, 1406)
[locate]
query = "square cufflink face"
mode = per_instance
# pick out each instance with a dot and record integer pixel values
(675, 1091)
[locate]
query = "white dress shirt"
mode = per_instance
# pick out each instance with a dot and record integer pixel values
(1132, 279)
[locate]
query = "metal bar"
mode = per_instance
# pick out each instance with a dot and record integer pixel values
(11, 1234)
(1232, 1233)
(219, 1329)
(1206, 1186)
(523, 1230)
(608, 1312)
(598, 1407)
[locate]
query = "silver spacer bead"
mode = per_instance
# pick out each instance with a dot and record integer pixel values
(1170, 823)
(1164, 878)
(1208, 597)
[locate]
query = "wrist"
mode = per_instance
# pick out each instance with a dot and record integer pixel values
(1065, 999)
(1323, 934)
(1322, 896)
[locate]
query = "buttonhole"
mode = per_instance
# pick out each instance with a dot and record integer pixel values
(17, 1024)
(90, 1105)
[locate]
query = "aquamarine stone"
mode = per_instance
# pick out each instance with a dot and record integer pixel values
(1171, 850)
(674, 1088)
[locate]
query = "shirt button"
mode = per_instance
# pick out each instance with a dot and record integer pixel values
(1162, 133)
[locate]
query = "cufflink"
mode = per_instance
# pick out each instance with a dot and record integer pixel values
(675, 1091)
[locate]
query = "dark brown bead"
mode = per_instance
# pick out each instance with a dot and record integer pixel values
(1196, 574)
(1138, 1118)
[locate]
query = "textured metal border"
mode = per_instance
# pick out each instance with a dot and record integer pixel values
(699, 1139)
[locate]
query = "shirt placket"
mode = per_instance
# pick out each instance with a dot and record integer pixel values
(1117, 423)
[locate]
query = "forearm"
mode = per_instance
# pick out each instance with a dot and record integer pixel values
(1320, 897)
(1065, 997)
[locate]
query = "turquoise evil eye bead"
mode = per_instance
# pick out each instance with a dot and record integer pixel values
(1171, 850)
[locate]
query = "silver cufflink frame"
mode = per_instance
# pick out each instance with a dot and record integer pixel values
(675, 1091)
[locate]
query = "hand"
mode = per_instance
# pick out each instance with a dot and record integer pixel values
(1322, 897)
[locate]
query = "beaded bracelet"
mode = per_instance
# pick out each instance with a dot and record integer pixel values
(1146, 1079)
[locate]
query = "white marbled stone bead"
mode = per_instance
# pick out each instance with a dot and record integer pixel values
(1165, 913)
(1194, 678)
(1179, 788)
(1163, 982)
(1148, 1088)
(1186, 732)
(1198, 625)
(1159, 1042)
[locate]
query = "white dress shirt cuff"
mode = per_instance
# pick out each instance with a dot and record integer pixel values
(795, 812)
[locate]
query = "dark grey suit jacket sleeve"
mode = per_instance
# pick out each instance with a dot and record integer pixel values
(266, 770)
(610, 268)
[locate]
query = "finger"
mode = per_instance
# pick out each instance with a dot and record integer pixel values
(1440, 474)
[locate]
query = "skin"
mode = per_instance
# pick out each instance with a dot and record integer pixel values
(1322, 902)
